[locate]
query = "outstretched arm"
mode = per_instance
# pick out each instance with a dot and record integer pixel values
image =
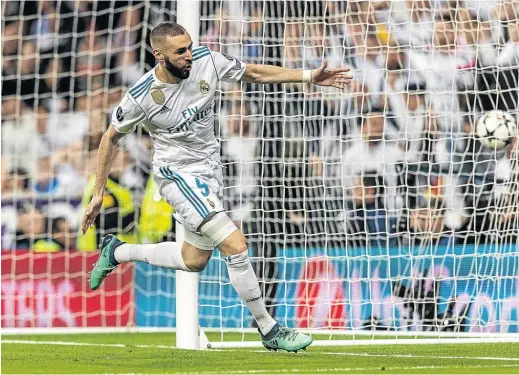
(275, 74)
(105, 157)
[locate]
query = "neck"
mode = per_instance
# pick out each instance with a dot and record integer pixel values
(165, 75)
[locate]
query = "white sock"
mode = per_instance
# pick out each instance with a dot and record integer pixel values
(245, 283)
(164, 254)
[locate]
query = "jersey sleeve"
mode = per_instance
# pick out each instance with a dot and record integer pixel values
(228, 68)
(127, 115)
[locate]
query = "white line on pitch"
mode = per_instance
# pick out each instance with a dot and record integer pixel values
(422, 356)
(70, 343)
(74, 343)
(356, 369)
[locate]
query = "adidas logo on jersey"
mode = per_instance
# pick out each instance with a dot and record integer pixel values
(164, 109)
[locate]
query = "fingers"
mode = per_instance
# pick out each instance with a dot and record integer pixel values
(325, 64)
(343, 75)
(84, 224)
(88, 224)
(340, 84)
(339, 70)
(88, 220)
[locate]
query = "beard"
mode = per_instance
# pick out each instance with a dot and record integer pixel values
(181, 73)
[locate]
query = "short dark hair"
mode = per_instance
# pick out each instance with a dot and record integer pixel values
(21, 173)
(55, 224)
(165, 29)
(445, 16)
(417, 88)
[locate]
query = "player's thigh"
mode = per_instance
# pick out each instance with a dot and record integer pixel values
(195, 203)
(198, 208)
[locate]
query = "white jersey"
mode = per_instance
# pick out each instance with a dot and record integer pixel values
(179, 117)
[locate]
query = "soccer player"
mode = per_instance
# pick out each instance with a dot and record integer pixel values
(174, 103)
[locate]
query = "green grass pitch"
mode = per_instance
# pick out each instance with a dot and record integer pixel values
(153, 353)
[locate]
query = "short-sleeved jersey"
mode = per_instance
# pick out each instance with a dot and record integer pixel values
(179, 117)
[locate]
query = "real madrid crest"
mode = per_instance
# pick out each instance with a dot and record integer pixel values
(158, 96)
(204, 87)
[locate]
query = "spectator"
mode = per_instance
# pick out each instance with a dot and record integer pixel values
(30, 226)
(59, 236)
(129, 70)
(416, 125)
(365, 219)
(25, 82)
(222, 34)
(10, 41)
(411, 22)
(368, 66)
(15, 182)
(427, 227)
(48, 29)
(91, 59)
(239, 147)
(23, 135)
(445, 69)
(46, 180)
(509, 55)
(397, 77)
(495, 198)
(372, 149)
(253, 41)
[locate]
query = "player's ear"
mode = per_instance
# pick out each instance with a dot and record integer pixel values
(158, 55)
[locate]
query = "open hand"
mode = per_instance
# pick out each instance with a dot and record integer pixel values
(331, 77)
(91, 213)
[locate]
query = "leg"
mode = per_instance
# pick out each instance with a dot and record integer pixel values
(191, 256)
(231, 243)
(244, 280)
(188, 257)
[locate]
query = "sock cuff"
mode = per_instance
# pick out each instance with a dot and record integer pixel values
(238, 260)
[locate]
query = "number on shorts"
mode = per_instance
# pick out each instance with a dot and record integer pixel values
(204, 187)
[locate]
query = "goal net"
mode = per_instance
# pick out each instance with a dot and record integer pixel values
(369, 211)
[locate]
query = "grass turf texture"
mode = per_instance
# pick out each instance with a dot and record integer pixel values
(156, 356)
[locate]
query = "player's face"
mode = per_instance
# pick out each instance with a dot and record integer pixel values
(177, 57)
(373, 128)
(444, 35)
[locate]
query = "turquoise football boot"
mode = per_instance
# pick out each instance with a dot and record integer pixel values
(285, 339)
(106, 262)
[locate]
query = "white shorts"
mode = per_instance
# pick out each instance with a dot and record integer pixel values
(196, 198)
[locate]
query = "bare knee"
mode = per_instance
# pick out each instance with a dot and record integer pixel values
(195, 259)
(234, 244)
(195, 265)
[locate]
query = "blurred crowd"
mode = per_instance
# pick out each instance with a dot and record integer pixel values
(390, 161)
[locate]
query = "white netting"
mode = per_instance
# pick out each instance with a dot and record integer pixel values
(371, 208)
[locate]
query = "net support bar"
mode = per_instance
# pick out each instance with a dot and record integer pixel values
(188, 330)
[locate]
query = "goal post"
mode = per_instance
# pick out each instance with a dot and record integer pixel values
(189, 335)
